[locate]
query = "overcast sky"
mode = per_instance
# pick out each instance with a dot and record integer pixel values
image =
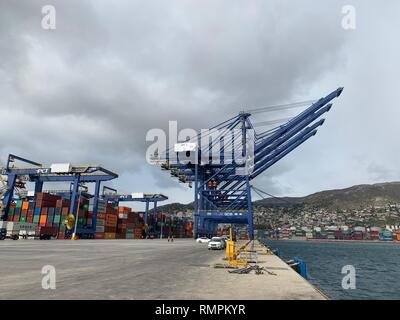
(88, 91)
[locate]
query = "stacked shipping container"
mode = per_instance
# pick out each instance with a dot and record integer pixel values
(50, 211)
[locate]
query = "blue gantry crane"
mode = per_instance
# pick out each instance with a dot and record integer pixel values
(147, 198)
(39, 174)
(223, 161)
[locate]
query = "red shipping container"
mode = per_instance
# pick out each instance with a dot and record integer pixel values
(24, 212)
(99, 235)
(61, 203)
(65, 211)
(42, 203)
(108, 229)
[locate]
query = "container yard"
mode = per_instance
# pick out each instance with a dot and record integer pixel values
(342, 233)
(75, 213)
(49, 216)
(223, 195)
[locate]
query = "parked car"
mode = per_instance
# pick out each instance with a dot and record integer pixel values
(225, 238)
(202, 240)
(216, 243)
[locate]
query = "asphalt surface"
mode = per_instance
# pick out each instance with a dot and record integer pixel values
(104, 269)
(136, 269)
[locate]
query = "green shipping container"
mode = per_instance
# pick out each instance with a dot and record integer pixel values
(23, 219)
(57, 219)
(36, 219)
(19, 204)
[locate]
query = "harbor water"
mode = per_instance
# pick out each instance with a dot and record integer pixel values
(376, 266)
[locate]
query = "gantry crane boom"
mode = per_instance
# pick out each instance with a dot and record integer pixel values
(222, 179)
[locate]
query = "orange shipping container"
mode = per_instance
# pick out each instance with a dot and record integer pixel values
(111, 217)
(25, 205)
(111, 224)
(43, 219)
(108, 235)
(398, 236)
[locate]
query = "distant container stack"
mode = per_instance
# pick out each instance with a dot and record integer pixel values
(357, 233)
(49, 213)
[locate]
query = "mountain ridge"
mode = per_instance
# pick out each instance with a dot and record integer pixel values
(350, 198)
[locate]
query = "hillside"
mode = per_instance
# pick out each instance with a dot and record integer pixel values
(352, 198)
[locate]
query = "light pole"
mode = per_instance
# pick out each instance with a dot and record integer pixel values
(74, 236)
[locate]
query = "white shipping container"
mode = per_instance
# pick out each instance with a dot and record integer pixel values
(332, 228)
(376, 229)
(18, 226)
(123, 215)
(99, 209)
(138, 195)
(91, 207)
(60, 167)
(359, 229)
(99, 202)
(27, 234)
(100, 222)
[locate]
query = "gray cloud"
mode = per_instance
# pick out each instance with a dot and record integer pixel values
(91, 89)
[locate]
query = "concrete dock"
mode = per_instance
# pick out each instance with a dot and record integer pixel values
(139, 269)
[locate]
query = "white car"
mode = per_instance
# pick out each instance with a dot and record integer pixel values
(203, 240)
(216, 243)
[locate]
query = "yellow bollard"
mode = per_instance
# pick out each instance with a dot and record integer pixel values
(232, 252)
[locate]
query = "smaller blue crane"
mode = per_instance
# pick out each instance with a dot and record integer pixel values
(148, 198)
